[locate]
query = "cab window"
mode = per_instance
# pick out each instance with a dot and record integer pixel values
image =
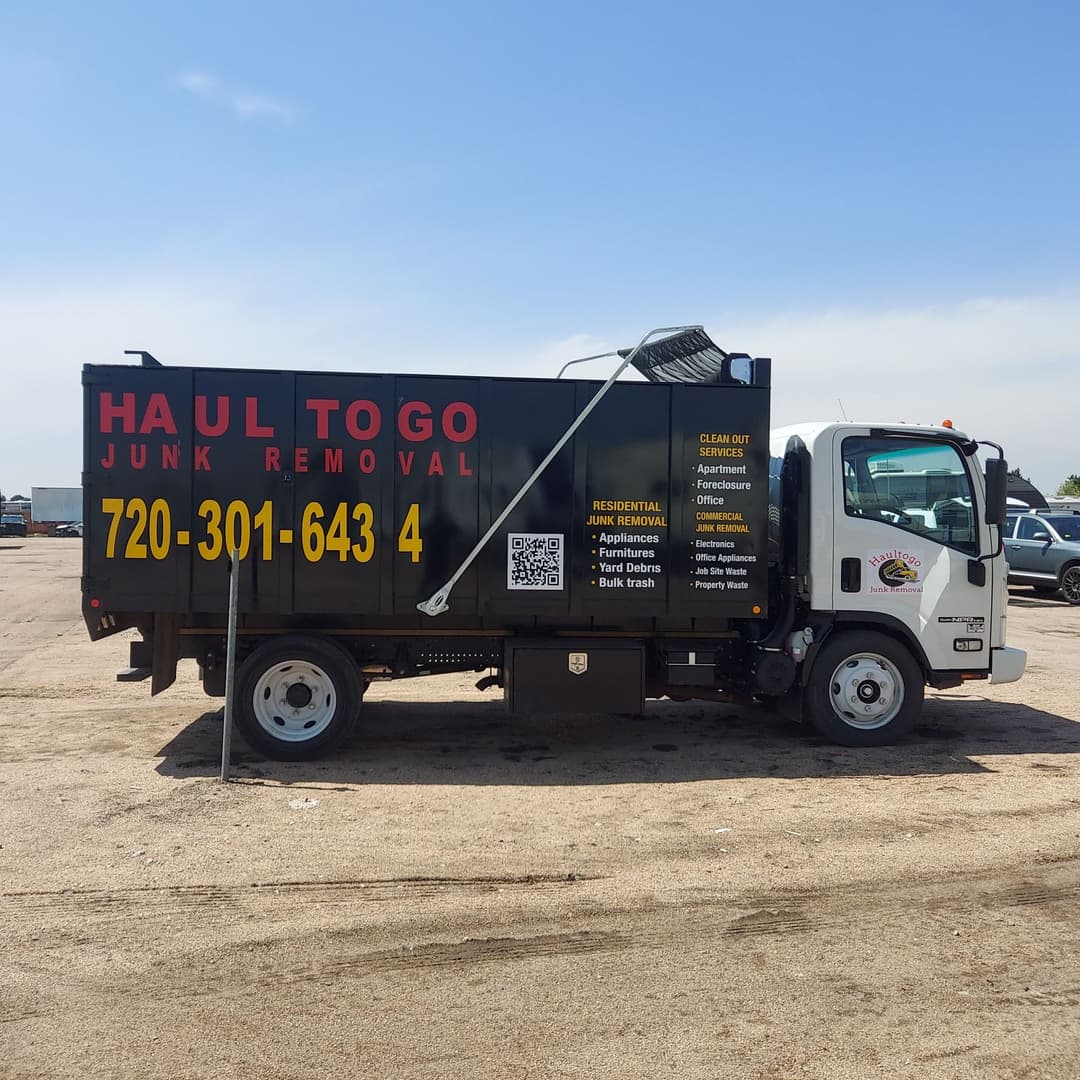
(1067, 526)
(917, 486)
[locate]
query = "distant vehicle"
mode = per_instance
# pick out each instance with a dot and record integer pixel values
(73, 528)
(54, 506)
(1043, 550)
(1060, 504)
(12, 525)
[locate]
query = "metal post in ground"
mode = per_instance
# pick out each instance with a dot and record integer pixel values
(230, 665)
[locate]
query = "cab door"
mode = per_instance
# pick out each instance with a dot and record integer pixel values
(907, 528)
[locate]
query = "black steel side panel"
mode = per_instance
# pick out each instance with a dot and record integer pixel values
(435, 469)
(242, 424)
(138, 460)
(355, 496)
(330, 468)
(523, 419)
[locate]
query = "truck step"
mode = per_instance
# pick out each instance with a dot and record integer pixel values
(133, 674)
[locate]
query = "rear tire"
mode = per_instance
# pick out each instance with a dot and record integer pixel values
(865, 689)
(297, 697)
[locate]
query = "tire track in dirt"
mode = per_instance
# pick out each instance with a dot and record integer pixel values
(802, 911)
(786, 913)
(15, 1017)
(449, 955)
(55, 692)
(167, 899)
(428, 956)
(662, 925)
(1067, 997)
(658, 925)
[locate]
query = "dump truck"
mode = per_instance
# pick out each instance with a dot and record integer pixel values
(588, 545)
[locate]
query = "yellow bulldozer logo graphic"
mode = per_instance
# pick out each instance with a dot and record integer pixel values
(897, 572)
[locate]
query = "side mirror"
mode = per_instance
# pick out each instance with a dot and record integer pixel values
(1042, 537)
(997, 490)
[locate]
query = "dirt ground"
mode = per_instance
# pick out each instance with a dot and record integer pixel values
(704, 892)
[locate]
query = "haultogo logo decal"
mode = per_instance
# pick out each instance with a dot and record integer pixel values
(898, 571)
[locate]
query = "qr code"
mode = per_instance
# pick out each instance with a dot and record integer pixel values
(534, 561)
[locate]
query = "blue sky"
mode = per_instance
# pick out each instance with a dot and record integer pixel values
(490, 187)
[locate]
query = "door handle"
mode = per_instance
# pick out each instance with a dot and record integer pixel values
(1015, 547)
(850, 575)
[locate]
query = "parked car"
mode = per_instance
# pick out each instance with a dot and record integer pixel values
(1043, 550)
(12, 525)
(73, 528)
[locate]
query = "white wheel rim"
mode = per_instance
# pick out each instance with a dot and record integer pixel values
(294, 701)
(866, 691)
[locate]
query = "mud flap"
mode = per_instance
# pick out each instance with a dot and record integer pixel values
(791, 705)
(166, 649)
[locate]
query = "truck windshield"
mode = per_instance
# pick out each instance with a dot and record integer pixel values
(911, 484)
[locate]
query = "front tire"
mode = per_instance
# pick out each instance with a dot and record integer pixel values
(297, 697)
(1070, 583)
(865, 689)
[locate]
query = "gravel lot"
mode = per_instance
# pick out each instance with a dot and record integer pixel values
(704, 892)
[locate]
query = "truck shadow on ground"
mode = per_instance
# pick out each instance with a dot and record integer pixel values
(1029, 598)
(470, 743)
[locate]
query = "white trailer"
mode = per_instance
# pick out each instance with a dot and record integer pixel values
(1062, 504)
(53, 505)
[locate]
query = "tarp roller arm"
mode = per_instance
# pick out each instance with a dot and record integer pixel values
(438, 602)
(586, 359)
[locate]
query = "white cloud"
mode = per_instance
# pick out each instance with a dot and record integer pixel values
(1006, 369)
(198, 82)
(1002, 368)
(46, 336)
(260, 105)
(243, 104)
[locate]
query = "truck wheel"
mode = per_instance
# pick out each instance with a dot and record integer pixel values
(1070, 583)
(297, 697)
(865, 689)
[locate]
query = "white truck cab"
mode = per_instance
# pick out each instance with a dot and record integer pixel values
(902, 576)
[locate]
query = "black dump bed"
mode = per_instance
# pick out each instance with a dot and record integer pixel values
(353, 497)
